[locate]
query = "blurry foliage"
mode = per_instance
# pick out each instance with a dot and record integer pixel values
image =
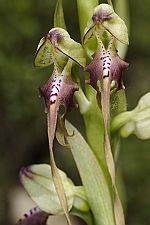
(22, 119)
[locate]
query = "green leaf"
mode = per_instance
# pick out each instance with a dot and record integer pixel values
(59, 20)
(38, 182)
(94, 180)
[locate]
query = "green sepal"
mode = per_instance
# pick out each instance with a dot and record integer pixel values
(104, 18)
(56, 47)
(71, 48)
(117, 28)
(43, 55)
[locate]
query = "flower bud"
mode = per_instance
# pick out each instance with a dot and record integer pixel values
(136, 121)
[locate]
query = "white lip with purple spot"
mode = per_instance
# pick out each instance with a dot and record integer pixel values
(106, 60)
(56, 86)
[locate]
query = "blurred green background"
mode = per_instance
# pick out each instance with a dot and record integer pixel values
(22, 118)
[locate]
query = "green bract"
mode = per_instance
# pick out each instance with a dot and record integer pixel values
(85, 11)
(136, 121)
(59, 20)
(104, 18)
(56, 47)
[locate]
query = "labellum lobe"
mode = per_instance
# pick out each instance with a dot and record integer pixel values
(106, 64)
(58, 90)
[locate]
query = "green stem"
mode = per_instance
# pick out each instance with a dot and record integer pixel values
(94, 125)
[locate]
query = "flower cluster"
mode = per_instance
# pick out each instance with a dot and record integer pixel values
(49, 187)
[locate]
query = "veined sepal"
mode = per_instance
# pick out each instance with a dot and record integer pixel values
(56, 47)
(105, 19)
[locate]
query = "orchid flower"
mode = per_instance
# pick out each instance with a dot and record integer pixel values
(59, 49)
(106, 66)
